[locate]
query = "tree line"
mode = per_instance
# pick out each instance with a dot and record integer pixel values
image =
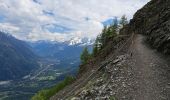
(108, 33)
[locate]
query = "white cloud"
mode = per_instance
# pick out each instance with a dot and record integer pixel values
(26, 19)
(8, 27)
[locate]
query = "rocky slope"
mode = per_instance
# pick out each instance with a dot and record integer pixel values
(129, 77)
(132, 70)
(153, 20)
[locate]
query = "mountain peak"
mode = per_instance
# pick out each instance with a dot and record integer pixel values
(81, 41)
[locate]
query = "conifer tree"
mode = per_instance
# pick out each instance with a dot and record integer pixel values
(95, 50)
(123, 21)
(116, 25)
(97, 45)
(104, 36)
(107, 34)
(85, 56)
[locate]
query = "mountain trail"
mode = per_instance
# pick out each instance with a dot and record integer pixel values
(139, 74)
(151, 71)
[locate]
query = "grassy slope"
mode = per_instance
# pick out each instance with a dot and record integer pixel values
(45, 94)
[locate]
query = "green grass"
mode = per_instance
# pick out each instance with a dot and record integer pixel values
(45, 94)
(112, 98)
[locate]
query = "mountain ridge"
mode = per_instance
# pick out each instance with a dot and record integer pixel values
(16, 58)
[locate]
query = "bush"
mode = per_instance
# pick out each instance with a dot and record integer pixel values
(45, 94)
(85, 56)
(108, 34)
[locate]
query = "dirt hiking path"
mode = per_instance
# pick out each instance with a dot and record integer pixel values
(151, 71)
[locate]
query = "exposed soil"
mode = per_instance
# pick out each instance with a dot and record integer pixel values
(151, 71)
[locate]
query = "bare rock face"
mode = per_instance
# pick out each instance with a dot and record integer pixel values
(153, 20)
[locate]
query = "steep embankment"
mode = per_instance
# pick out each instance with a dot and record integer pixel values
(142, 76)
(134, 72)
(153, 20)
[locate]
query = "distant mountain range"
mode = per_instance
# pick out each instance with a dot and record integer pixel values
(81, 42)
(16, 58)
(19, 58)
(69, 50)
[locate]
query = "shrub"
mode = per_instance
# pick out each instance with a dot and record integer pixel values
(45, 94)
(85, 56)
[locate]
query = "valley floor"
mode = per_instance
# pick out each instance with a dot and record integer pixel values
(140, 74)
(45, 77)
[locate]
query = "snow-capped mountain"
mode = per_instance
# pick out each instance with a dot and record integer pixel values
(81, 42)
(59, 49)
(72, 42)
(62, 50)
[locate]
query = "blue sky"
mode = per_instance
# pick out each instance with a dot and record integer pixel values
(61, 20)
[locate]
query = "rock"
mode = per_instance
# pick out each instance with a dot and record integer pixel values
(99, 82)
(75, 98)
(154, 23)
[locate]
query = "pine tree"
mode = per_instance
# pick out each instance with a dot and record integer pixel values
(123, 21)
(112, 30)
(85, 56)
(95, 50)
(97, 46)
(104, 36)
(116, 25)
(115, 22)
(107, 34)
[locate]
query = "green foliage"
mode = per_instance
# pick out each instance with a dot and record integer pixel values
(108, 33)
(95, 50)
(85, 56)
(123, 21)
(47, 93)
(112, 98)
(97, 46)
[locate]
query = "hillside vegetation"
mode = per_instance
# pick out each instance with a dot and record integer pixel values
(45, 94)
